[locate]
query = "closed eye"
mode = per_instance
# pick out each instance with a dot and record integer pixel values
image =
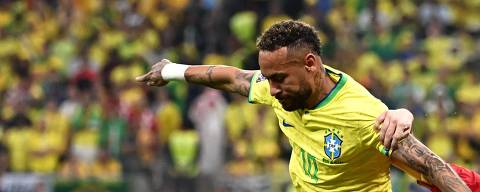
(278, 77)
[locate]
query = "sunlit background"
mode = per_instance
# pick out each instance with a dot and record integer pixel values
(73, 119)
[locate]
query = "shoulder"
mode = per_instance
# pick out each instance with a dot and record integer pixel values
(355, 99)
(259, 92)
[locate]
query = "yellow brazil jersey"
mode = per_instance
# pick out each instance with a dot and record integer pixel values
(334, 145)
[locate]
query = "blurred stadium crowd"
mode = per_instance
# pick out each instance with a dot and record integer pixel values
(70, 110)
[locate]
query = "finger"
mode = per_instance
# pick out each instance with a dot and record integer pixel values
(163, 61)
(389, 134)
(156, 65)
(401, 132)
(397, 136)
(404, 128)
(380, 120)
(383, 128)
(394, 143)
(379, 127)
(407, 129)
(143, 78)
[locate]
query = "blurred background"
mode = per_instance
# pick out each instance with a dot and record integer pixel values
(73, 119)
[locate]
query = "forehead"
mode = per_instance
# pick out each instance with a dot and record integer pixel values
(267, 57)
(278, 62)
(272, 61)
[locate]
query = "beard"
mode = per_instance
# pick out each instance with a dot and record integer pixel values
(296, 101)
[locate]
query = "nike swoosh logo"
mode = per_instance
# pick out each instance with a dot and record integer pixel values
(285, 124)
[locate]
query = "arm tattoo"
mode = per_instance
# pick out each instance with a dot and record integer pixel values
(201, 78)
(420, 158)
(209, 73)
(230, 80)
(243, 86)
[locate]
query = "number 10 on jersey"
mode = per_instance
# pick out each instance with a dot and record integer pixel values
(309, 164)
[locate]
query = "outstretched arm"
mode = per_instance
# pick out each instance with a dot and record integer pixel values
(220, 77)
(413, 154)
(225, 78)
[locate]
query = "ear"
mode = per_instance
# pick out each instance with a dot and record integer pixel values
(311, 62)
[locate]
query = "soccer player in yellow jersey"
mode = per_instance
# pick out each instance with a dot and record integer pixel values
(327, 116)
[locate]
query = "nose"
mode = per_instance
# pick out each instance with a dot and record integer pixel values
(274, 89)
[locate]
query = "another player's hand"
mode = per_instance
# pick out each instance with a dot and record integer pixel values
(394, 125)
(154, 76)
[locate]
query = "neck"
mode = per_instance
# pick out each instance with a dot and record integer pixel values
(322, 91)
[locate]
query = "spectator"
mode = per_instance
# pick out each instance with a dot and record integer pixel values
(106, 168)
(17, 134)
(45, 146)
(183, 146)
(4, 163)
(73, 169)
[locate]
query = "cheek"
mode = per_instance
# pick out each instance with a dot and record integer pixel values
(296, 83)
(291, 88)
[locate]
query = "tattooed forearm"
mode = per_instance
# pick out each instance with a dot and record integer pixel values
(243, 86)
(221, 77)
(436, 171)
(201, 76)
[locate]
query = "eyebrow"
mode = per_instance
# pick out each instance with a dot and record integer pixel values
(292, 60)
(281, 73)
(276, 74)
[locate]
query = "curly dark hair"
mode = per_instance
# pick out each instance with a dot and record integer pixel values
(292, 34)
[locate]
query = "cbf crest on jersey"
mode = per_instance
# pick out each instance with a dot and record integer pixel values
(332, 144)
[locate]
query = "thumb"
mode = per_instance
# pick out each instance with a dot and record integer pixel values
(380, 119)
(143, 78)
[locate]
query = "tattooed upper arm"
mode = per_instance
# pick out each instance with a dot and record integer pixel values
(242, 82)
(418, 157)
